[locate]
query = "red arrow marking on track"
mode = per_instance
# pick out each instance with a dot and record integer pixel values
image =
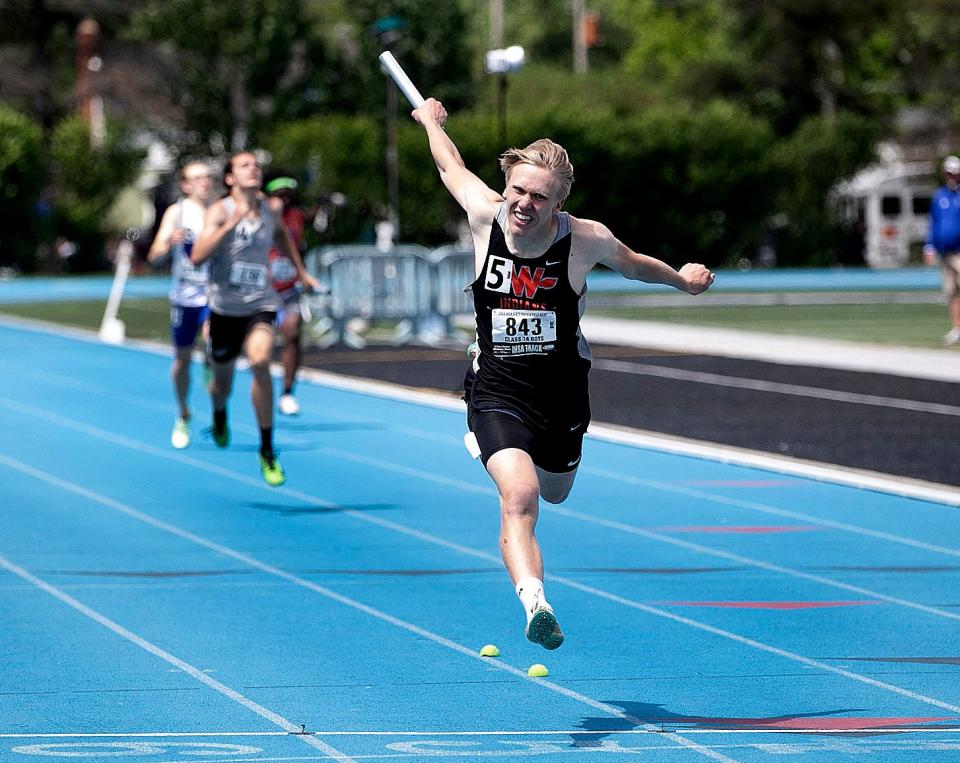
(816, 724)
(769, 604)
(759, 529)
(742, 483)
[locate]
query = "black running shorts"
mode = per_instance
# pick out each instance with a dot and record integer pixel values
(554, 450)
(228, 333)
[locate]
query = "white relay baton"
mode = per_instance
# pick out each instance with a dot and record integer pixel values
(398, 75)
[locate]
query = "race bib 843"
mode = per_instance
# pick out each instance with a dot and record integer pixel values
(523, 332)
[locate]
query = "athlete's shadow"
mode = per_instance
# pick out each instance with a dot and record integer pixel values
(299, 509)
(641, 714)
(328, 426)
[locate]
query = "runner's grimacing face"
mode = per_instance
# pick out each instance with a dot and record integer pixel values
(246, 172)
(532, 196)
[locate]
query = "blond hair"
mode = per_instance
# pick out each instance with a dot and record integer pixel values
(542, 153)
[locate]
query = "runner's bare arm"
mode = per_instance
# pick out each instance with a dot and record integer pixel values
(216, 225)
(472, 194)
(596, 244)
(164, 240)
(284, 242)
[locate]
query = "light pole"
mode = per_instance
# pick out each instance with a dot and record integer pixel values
(500, 62)
(388, 32)
(88, 62)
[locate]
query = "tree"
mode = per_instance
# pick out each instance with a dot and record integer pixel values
(241, 65)
(430, 40)
(21, 180)
(820, 57)
(87, 181)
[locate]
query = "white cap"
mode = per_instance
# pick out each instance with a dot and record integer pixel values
(952, 165)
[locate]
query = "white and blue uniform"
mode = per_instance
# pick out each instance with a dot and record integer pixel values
(188, 289)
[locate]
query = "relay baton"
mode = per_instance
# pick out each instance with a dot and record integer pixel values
(398, 75)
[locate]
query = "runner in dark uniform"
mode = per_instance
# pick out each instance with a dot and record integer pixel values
(528, 336)
(527, 398)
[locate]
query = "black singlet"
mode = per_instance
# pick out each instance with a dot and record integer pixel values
(533, 359)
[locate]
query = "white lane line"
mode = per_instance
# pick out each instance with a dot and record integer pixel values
(456, 484)
(328, 593)
(740, 382)
(494, 560)
(763, 508)
(858, 478)
(745, 560)
(662, 727)
(190, 670)
(659, 537)
(464, 486)
(945, 496)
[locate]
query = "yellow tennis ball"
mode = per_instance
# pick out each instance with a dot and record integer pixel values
(537, 670)
(489, 650)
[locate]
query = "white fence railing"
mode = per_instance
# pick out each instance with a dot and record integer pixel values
(417, 291)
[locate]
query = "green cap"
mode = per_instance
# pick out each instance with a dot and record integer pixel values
(278, 184)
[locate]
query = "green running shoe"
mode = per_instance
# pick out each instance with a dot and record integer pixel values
(271, 470)
(220, 436)
(542, 627)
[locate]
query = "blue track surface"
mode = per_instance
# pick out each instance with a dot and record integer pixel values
(161, 605)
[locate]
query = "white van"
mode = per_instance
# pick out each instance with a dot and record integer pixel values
(889, 205)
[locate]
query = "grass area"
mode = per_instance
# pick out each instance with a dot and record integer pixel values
(906, 325)
(144, 318)
(909, 325)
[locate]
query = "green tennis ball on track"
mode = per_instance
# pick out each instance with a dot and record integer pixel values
(489, 650)
(537, 670)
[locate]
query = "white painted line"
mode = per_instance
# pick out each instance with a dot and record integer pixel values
(328, 593)
(659, 537)
(697, 548)
(764, 508)
(838, 475)
(778, 388)
(156, 651)
(901, 486)
(943, 364)
(494, 560)
(666, 727)
(464, 486)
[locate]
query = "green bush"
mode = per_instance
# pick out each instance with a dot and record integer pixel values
(809, 164)
(682, 182)
(336, 153)
(21, 181)
(86, 181)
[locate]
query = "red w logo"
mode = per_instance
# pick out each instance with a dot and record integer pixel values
(525, 284)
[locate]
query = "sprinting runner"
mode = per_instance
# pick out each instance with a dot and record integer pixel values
(284, 198)
(179, 228)
(526, 390)
(237, 236)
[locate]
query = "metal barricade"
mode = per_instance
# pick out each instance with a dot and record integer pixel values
(372, 285)
(420, 291)
(453, 271)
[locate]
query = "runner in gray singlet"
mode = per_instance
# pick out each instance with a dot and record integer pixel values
(238, 233)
